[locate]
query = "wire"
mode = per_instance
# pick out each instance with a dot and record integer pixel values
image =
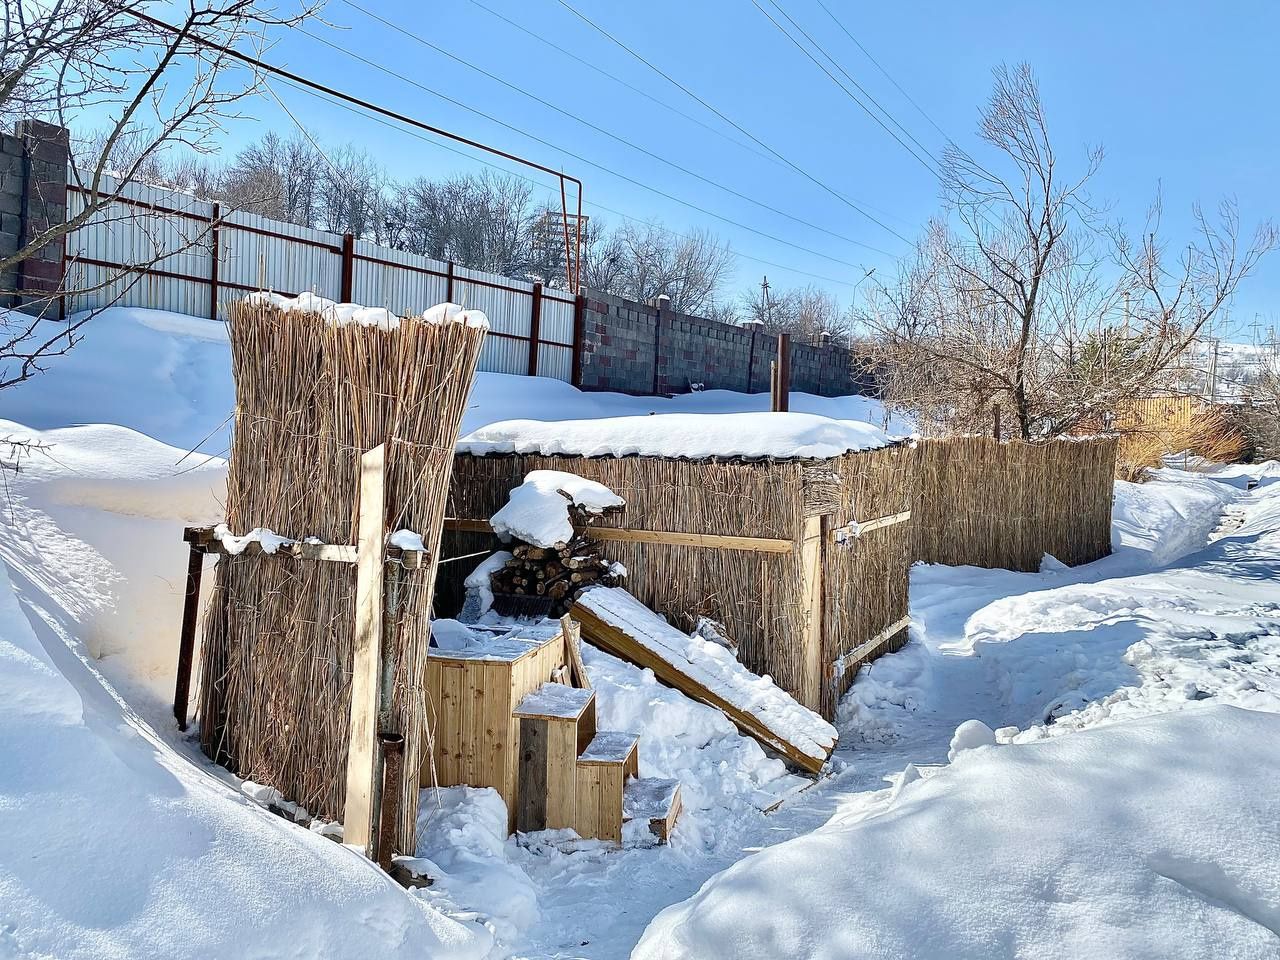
(804, 173)
(616, 79)
(619, 139)
(845, 90)
(605, 169)
(886, 73)
(590, 203)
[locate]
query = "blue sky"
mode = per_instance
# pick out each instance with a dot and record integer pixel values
(1180, 95)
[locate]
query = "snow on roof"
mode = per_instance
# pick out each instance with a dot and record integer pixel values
(688, 436)
(380, 317)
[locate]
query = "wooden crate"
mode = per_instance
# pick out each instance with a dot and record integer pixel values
(471, 696)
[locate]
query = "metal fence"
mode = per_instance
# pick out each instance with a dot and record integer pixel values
(166, 250)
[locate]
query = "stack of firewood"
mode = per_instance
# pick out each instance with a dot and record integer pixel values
(557, 573)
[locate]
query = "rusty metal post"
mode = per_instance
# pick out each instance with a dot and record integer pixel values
(784, 373)
(535, 328)
(995, 421)
(187, 640)
(579, 335)
(348, 267)
(392, 783)
(214, 254)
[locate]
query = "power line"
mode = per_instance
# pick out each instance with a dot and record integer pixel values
(845, 90)
(589, 203)
(599, 166)
(808, 176)
(631, 145)
(618, 80)
(867, 54)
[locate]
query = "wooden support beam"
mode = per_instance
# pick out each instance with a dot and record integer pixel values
(713, 541)
(301, 550)
(812, 564)
(841, 665)
(856, 529)
(573, 652)
(366, 668)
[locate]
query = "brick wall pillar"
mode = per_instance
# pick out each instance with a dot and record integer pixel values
(45, 151)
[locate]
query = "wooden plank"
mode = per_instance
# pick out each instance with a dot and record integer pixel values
(613, 640)
(534, 767)
(842, 664)
(187, 637)
(366, 667)
(562, 785)
(713, 541)
(573, 651)
(327, 552)
(840, 534)
(812, 564)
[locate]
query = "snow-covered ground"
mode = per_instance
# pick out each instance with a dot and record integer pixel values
(1124, 806)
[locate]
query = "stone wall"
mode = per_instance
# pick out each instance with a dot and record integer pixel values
(635, 348)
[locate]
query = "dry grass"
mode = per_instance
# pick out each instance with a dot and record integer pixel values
(1208, 434)
(311, 397)
(1005, 505)
(757, 596)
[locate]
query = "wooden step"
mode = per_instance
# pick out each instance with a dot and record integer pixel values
(557, 722)
(655, 800)
(603, 768)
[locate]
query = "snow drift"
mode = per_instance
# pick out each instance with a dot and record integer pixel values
(1070, 847)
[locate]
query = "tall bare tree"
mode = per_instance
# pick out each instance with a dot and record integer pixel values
(1017, 296)
(644, 261)
(60, 59)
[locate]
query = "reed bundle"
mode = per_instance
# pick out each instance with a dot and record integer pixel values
(311, 397)
(1005, 505)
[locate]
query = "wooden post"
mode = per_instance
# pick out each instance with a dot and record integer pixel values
(187, 639)
(812, 564)
(572, 632)
(348, 267)
(366, 667)
(213, 261)
(995, 420)
(773, 385)
(784, 373)
(535, 328)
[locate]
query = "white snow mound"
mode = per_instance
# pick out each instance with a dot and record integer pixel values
(680, 435)
(537, 511)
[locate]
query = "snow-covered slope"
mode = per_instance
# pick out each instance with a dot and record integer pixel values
(115, 847)
(1142, 840)
(168, 376)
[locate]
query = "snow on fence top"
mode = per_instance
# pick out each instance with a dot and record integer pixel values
(688, 436)
(380, 317)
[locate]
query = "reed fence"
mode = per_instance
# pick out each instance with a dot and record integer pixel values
(988, 503)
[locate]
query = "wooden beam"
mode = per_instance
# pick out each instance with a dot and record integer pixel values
(840, 666)
(841, 534)
(366, 667)
(812, 563)
(712, 541)
(300, 550)
(613, 640)
(187, 639)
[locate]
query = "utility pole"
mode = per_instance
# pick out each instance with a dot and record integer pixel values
(1213, 372)
(764, 299)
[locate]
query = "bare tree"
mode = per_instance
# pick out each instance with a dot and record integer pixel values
(644, 261)
(1017, 298)
(806, 313)
(158, 89)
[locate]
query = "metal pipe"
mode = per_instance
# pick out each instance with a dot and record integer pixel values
(389, 808)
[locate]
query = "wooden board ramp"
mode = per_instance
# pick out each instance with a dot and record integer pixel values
(619, 624)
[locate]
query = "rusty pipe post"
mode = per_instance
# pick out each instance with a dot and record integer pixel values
(392, 781)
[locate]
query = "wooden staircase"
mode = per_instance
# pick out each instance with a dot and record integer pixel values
(570, 774)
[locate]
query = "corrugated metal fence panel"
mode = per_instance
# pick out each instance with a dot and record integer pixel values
(504, 355)
(283, 257)
(507, 303)
(557, 320)
(554, 361)
(408, 285)
(144, 233)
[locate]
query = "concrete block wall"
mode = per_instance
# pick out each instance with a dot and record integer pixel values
(33, 198)
(635, 348)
